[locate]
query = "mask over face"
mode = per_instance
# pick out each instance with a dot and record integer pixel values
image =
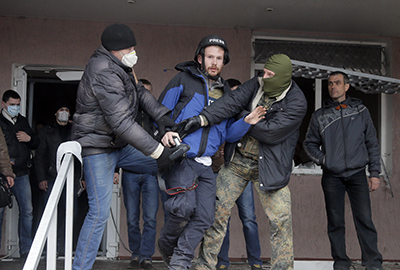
(129, 59)
(63, 116)
(282, 67)
(13, 110)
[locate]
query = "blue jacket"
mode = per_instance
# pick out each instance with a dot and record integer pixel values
(187, 95)
(343, 140)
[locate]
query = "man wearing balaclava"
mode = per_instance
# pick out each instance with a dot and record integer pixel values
(107, 103)
(263, 156)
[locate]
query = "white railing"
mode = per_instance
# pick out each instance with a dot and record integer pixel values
(47, 229)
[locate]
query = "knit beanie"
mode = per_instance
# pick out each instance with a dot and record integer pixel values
(118, 37)
(281, 65)
(60, 104)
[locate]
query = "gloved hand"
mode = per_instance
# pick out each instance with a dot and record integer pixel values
(164, 162)
(164, 122)
(193, 124)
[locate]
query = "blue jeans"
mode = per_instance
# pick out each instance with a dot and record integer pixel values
(246, 208)
(134, 187)
(99, 173)
(23, 195)
(357, 189)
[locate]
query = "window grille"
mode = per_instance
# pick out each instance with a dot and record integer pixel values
(366, 58)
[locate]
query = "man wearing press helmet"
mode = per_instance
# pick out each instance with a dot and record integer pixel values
(191, 182)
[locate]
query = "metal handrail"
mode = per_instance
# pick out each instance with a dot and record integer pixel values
(47, 229)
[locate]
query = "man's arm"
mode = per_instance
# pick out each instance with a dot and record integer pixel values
(372, 145)
(278, 126)
(231, 103)
(5, 164)
(115, 105)
(41, 160)
(313, 142)
(237, 129)
(26, 135)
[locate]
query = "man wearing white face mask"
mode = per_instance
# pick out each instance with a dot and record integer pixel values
(20, 140)
(107, 104)
(51, 136)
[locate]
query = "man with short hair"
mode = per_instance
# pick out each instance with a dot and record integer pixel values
(263, 156)
(191, 182)
(107, 104)
(342, 139)
(21, 140)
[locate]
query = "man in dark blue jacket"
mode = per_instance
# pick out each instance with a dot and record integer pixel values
(192, 182)
(342, 139)
(264, 156)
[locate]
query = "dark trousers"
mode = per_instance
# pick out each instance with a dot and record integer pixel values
(357, 189)
(191, 213)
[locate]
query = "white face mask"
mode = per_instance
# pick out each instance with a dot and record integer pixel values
(63, 116)
(13, 110)
(129, 59)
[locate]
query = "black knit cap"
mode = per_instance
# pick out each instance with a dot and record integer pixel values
(118, 37)
(60, 104)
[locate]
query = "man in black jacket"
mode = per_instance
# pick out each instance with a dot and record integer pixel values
(342, 139)
(20, 140)
(107, 104)
(264, 156)
(51, 136)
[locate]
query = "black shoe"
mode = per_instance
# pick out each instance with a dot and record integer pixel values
(222, 267)
(146, 265)
(134, 264)
(166, 259)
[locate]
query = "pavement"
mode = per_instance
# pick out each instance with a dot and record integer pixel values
(108, 264)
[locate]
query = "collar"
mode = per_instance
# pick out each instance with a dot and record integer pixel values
(7, 116)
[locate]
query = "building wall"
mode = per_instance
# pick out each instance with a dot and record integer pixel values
(160, 48)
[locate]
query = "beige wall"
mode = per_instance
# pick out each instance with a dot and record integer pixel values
(160, 48)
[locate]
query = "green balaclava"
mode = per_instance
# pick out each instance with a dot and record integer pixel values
(282, 67)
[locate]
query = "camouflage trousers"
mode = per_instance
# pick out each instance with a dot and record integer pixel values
(231, 182)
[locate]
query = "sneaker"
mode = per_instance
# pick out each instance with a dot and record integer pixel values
(146, 265)
(222, 267)
(256, 267)
(166, 259)
(134, 264)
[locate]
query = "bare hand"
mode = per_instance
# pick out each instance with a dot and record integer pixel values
(373, 183)
(43, 185)
(116, 178)
(255, 116)
(22, 136)
(10, 181)
(168, 139)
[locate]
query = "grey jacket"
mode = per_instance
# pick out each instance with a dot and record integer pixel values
(277, 133)
(107, 104)
(343, 140)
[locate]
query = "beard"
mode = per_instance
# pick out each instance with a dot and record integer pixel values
(213, 70)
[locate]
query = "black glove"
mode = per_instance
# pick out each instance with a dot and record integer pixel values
(192, 124)
(164, 162)
(163, 123)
